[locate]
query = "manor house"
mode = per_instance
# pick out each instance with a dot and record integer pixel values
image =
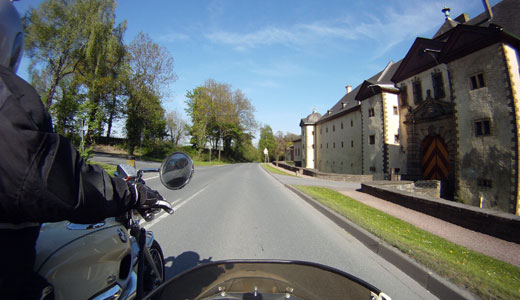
(449, 110)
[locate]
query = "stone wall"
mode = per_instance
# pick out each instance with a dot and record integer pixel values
(324, 175)
(495, 223)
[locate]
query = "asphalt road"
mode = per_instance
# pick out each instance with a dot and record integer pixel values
(241, 212)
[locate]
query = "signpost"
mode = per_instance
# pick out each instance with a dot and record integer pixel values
(266, 155)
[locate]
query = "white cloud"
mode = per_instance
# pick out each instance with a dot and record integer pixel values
(388, 28)
(173, 37)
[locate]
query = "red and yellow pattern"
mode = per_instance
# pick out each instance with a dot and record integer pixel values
(435, 162)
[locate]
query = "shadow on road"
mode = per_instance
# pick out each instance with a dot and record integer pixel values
(183, 262)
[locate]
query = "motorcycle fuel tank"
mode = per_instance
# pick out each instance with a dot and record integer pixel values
(83, 260)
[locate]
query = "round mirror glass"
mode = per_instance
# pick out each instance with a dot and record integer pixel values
(176, 170)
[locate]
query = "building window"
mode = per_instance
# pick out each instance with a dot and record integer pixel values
(327, 145)
(333, 127)
(396, 112)
(351, 144)
(326, 129)
(371, 113)
(341, 144)
(438, 86)
(341, 125)
(351, 123)
(417, 92)
(477, 81)
(321, 146)
(313, 132)
(482, 182)
(482, 127)
(404, 95)
(372, 169)
(372, 139)
(334, 145)
(321, 130)
(396, 139)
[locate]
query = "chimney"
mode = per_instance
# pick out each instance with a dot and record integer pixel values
(487, 7)
(463, 18)
(349, 88)
(446, 10)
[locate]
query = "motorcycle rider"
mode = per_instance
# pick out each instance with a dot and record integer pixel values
(42, 177)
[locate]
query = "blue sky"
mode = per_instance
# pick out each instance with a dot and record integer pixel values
(286, 56)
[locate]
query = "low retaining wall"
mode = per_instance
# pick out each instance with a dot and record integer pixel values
(322, 175)
(495, 223)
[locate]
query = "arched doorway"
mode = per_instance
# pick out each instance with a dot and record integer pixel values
(435, 158)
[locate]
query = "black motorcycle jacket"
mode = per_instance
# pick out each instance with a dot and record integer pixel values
(42, 177)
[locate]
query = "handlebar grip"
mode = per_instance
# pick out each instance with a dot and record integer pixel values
(164, 205)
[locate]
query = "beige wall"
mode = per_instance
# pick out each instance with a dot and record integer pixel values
(426, 84)
(298, 151)
(392, 135)
(308, 140)
(513, 63)
(373, 126)
(338, 146)
(489, 157)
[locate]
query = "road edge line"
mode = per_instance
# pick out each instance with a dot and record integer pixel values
(438, 286)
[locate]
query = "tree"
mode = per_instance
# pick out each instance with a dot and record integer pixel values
(176, 126)
(199, 108)
(55, 38)
(219, 115)
(283, 141)
(150, 72)
(101, 67)
(268, 141)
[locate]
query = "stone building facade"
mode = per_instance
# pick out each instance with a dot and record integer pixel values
(449, 110)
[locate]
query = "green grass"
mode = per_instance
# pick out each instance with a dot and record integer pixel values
(275, 170)
(484, 276)
(109, 168)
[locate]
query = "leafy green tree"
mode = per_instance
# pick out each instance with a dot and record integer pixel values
(150, 72)
(176, 126)
(219, 116)
(199, 109)
(65, 111)
(283, 141)
(54, 41)
(268, 141)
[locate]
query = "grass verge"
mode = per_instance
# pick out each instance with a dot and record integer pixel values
(484, 276)
(109, 168)
(275, 170)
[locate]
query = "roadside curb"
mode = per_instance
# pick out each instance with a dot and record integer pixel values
(438, 286)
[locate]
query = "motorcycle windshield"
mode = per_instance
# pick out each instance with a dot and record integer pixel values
(265, 280)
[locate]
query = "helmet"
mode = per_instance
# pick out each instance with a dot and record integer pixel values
(11, 36)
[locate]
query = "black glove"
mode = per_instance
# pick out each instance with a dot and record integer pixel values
(145, 196)
(146, 200)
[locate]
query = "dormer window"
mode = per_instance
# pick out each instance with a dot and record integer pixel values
(477, 81)
(417, 92)
(371, 113)
(438, 86)
(403, 93)
(343, 105)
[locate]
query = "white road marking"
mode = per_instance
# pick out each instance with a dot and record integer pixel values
(175, 208)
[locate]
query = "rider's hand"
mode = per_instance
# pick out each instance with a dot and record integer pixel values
(146, 198)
